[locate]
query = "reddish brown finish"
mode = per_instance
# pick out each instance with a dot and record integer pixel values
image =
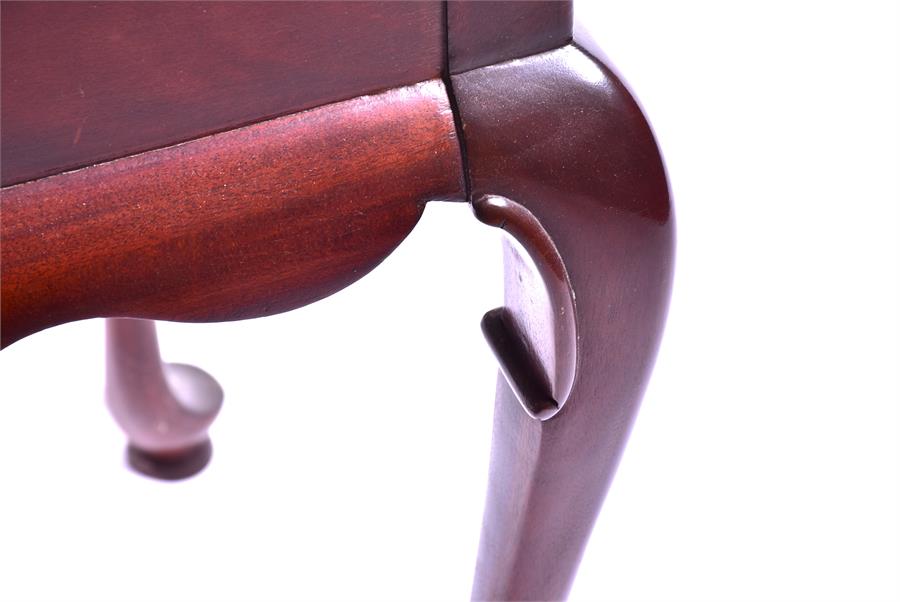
(164, 409)
(487, 32)
(560, 135)
(245, 223)
(84, 82)
(534, 336)
(270, 217)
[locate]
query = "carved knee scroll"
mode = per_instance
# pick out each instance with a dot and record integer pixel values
(537, 330)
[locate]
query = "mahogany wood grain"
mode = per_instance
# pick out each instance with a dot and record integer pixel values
(491, 31)
(165, 409)
(241, 224)
(559, 135)
(272, 216)
(84, 82)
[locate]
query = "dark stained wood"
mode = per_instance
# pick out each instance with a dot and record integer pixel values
(165, 409)
(269, 217)
(486, 32)
(559, 135)
(84, 82)
(541, 375)
(245, 223)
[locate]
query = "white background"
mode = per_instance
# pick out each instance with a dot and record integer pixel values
(351, 454)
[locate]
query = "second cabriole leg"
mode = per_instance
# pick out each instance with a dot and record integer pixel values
(165, 409)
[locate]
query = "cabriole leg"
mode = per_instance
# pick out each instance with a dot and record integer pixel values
(561, 158)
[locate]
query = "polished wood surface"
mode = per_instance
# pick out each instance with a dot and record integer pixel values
(535, 335)
(246, 223)
(165, 409)
(491, 31)
(552, 149)
(559, 135)
(84, 82)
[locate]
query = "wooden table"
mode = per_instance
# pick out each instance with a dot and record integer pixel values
(211, 161)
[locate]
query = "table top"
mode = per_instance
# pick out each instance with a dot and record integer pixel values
(88, 82)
